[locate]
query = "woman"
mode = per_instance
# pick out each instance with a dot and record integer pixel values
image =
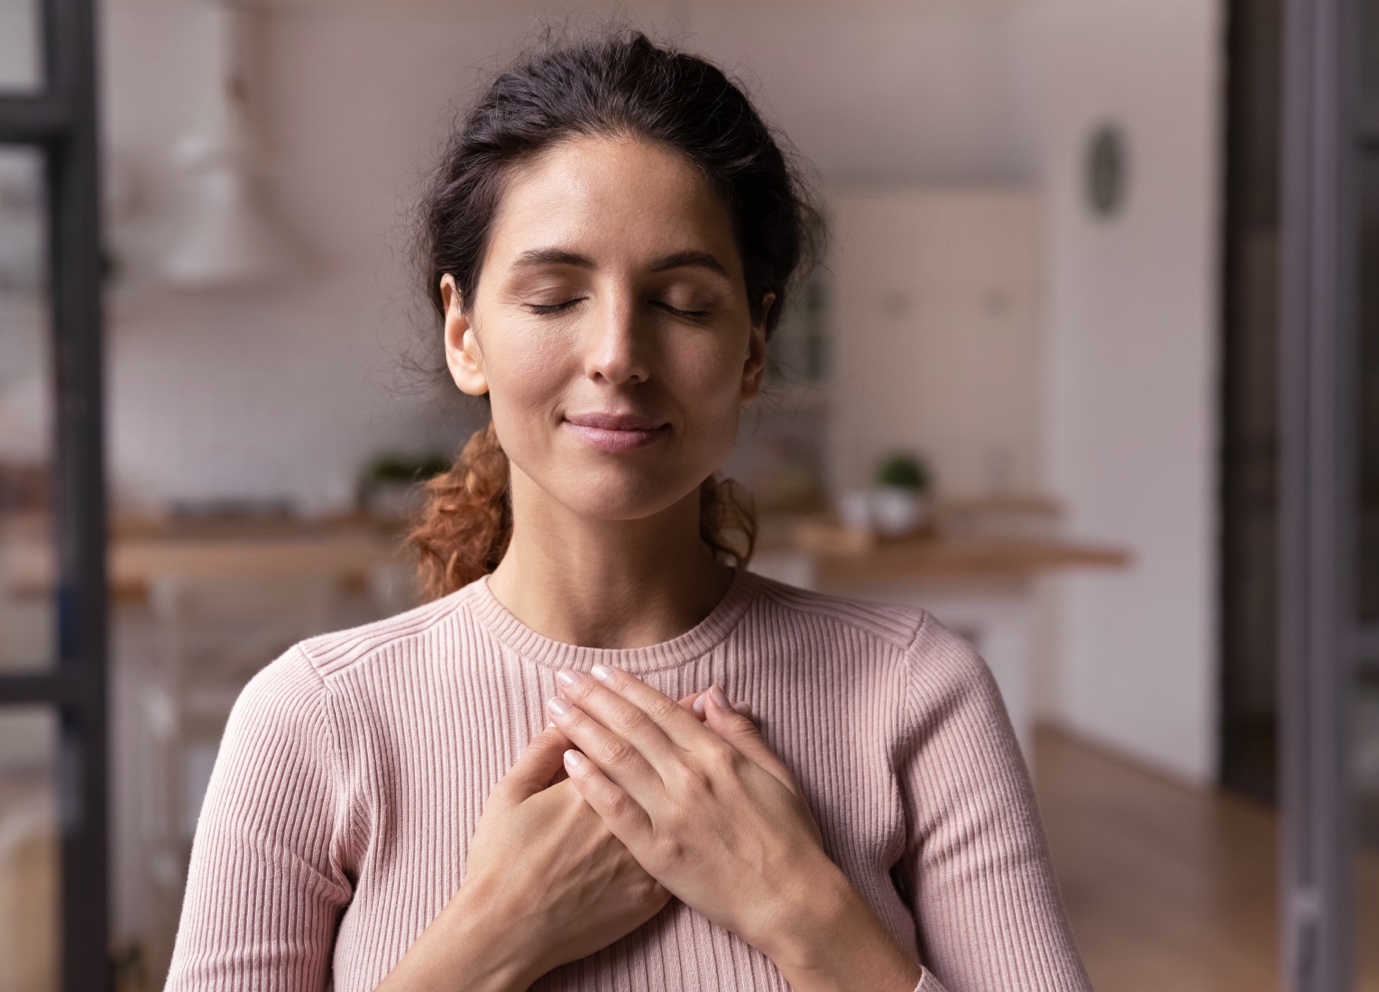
(499, 790)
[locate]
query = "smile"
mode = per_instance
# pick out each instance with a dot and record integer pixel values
(616, 432)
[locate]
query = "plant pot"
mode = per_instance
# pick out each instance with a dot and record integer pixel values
(896, 512)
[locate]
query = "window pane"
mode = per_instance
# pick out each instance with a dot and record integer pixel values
(20, 51)
(29, 851)
(27, 624)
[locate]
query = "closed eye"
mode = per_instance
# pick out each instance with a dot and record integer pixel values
(547, 309)
(686, 314)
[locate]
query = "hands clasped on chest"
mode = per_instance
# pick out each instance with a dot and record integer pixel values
(663, 799)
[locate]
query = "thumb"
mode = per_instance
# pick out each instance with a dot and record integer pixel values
(738, 730)
(534, 769)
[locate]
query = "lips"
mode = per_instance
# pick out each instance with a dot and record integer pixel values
(616, 432)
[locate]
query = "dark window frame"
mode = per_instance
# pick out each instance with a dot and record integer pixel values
(1324, 644)
(59, 120)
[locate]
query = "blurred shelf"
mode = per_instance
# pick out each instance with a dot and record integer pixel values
(963, 558)
(142, 551)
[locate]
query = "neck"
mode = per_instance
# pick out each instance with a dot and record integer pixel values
(606, 583)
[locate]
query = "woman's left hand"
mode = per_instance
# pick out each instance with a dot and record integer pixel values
(718, 820)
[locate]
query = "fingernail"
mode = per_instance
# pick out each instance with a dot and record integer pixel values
(718, 697)
(601, 672)
(744, 708)
(573, 757)
(558, 706)
(698, 703)
(566, 677)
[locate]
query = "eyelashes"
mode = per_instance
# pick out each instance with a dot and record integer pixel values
(552, 309)
(549, 309)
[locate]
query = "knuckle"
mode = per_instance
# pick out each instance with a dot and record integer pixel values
(694, 780)
(618, 804)
(673, 854)
(628, 721)
(722, 758)
(661, 708)
(614, 752)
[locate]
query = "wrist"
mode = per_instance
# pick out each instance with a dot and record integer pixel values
(805, 917)
(832, 940)
(468, 947)
(493, 946)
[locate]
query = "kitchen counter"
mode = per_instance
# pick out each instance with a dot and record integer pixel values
(989, 587)
(142, 550)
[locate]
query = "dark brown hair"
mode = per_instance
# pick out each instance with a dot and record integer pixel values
(618, 85)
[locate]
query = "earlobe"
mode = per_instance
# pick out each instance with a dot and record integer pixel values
(755, 366)
(463, 356)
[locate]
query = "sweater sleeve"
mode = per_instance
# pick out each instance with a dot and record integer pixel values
(976, 865)
(266, 884)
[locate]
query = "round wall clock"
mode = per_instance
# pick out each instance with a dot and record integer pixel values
(1107, 165)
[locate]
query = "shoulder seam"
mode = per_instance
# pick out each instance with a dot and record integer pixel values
(325, 700)
(317, 662)
(794, 603)
(924, 619)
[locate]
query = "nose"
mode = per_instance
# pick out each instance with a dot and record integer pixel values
(615, 351)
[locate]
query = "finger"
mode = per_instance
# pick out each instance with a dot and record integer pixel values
(619, 811)
(739, 731)
(692, 704)
(534, 768)
(615, 756)
(674, 723)
(620, 716)
(698, 707)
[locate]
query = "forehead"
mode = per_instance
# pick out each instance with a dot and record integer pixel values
(619, 201)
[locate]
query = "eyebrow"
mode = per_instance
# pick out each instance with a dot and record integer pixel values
(677, 260)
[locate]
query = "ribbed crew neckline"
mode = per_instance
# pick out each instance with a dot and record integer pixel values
(693, 643)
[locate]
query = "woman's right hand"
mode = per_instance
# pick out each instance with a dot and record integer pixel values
(545, 883)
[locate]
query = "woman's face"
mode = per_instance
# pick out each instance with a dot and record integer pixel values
(610, 328)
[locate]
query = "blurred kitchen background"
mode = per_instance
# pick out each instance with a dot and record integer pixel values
(1034, 389)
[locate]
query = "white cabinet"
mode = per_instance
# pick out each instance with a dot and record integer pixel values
(935, 336)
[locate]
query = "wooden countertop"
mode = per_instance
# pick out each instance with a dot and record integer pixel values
(973, 558)
(140, 552)
(348, 549)
(841, 556)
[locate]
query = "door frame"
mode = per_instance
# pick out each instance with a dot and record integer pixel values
(59, 120)
(1322, 643)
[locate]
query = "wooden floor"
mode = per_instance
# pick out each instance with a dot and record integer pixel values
(1171, 887)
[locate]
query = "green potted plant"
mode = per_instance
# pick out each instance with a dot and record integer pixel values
(899, 503)
(388, 484)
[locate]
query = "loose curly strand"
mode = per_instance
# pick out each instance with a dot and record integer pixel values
(619, 84)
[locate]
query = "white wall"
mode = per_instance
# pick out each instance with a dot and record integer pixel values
(286, 394)
(19, 56)
(936, 336)
(1131, 361)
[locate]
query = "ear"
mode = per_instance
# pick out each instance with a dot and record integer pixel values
(755, 366)
(463, 356)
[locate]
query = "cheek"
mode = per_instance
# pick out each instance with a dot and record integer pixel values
(711, 393)
(717, 367)
(525, 377)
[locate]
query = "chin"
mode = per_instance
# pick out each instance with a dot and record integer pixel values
(624, 498)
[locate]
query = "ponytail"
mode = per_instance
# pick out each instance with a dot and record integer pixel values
(465, 522)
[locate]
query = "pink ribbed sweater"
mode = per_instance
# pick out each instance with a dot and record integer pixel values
(354, 768)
